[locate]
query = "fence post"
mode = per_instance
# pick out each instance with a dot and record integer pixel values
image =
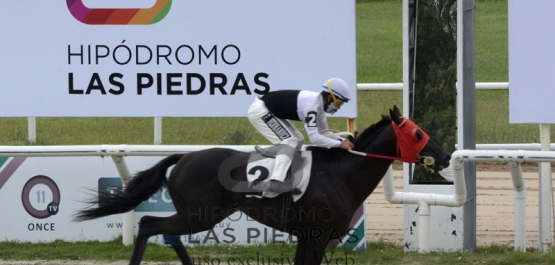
(157, 130)
(32, 130)
(125, 175)
(545, 190)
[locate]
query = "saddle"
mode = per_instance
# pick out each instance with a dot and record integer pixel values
(261, 164)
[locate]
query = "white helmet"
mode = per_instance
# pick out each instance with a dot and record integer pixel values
(338, 88)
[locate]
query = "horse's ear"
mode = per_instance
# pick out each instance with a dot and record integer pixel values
(396, 110)
(394, 114)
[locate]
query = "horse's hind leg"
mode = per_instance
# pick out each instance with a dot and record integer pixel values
(150, 226)
(183, 255)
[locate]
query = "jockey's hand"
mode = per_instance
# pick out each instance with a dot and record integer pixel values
(347, 145)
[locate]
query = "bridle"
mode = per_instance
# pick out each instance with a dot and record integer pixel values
(408, 145)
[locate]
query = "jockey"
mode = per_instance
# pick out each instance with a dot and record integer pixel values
(271, 113)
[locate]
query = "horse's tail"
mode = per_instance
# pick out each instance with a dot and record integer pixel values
(139, 188)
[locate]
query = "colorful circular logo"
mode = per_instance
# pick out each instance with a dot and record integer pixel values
(41, 197)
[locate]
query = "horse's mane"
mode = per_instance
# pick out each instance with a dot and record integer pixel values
(369, 134)
(364, 138)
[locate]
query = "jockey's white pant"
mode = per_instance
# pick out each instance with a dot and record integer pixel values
(277, 131)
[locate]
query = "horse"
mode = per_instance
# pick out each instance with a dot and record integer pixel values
(340, 182)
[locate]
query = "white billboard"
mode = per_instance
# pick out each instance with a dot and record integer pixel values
(195, 58)
(531, 61)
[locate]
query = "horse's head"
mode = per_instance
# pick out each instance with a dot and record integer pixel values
(414, 145)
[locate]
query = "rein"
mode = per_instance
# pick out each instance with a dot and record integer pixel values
(385, 157)
(340, 133)
(428, 161)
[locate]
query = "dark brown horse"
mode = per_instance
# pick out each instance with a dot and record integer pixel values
(340, 182)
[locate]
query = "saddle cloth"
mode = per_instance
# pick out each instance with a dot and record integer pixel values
(260, 168)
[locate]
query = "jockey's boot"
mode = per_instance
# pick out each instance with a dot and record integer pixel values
(279, 180)
(282, 187)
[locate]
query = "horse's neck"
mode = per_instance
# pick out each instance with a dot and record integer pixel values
(365, 172)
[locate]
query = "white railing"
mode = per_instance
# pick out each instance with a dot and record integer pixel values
(399, 86)
(424, 201)
(109, 150)
(514, 158)
(513, 155)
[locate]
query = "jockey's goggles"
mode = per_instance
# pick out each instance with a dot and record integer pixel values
(337, 102)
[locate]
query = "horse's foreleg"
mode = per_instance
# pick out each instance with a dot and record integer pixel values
(311, 247)
(315, 253)
(316, 244)
(300, 252)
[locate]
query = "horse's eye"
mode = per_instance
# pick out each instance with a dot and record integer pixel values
(417, 134)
